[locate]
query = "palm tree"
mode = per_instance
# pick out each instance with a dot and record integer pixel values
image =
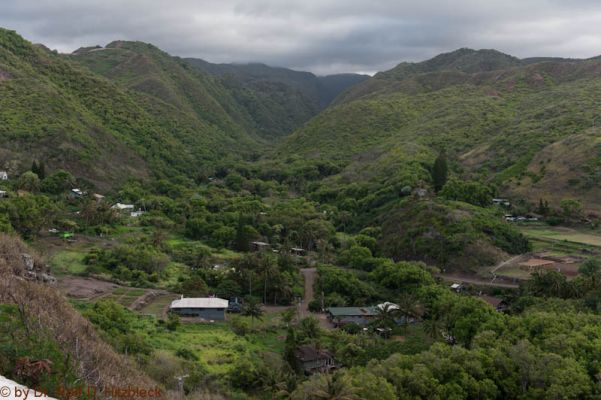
(386, 315)
(288, 316)
(253, 309)
(330, 387)
(433, 328)
(408, 307)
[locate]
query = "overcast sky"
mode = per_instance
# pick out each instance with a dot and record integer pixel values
(322, 36)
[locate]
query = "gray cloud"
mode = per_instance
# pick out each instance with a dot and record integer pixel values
(323, 36)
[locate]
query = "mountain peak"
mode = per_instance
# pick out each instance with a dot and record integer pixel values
(464, 60)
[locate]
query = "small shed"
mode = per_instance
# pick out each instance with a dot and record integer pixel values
(3, 176)
(297, 251)
(497, 303)
(208, 308)
(312, 359)
(259, 246)
(77, 193)
(123, 207)
(457, 287)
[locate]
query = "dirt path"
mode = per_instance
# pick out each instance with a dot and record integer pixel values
(310, 275)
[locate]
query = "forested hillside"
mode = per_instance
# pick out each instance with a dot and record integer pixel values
(279, 99)
(58, 111)
(493, 114)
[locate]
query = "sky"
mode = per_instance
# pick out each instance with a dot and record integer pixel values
(321, 36)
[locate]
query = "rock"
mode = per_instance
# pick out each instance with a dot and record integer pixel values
(28, 261)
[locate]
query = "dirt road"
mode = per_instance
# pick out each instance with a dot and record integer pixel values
(309, 274)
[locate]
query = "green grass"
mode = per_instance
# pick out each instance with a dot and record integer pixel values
(158, 305)
(215, 345)
(561, 234)
(68, 262)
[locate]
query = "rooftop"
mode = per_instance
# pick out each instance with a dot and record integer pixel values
(352, 311)
(310, 353)
(493, 301)
(199, 302)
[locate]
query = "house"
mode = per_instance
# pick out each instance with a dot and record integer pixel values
(297, 251)
(501, 202)
(123, 207)
(312, 359)
(341, 316)
(259, 246)
(457, 287)
(208, 308)
(497, 303)
(3, 194)
(3, 176)
(76, 193)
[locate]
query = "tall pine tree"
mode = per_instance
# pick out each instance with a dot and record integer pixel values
(440, 171)
(35, 168)
(41, 170)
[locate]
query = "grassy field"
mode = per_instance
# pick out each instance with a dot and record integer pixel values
(158, 305)
(125, 296)
(588, 237)
(216, 345)
(68, 262)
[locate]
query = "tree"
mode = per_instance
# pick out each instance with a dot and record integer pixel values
(571, 208)
(290, 348)
(386, 316)
(309, 327)
(29, 182)
(58, 182)
(252, 308)
(39, 169)
(591, 269)
(327, 387)
(440, 171)
(173, 322)
(288, 316)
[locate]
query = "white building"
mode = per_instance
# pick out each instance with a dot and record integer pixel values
(3, 176)
(123, 207)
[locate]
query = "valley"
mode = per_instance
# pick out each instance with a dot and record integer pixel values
(429, 232)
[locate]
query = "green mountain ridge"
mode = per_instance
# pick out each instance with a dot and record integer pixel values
(55, 110)
(279, 99)
(492, 120)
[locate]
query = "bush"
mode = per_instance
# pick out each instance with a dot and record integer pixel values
(314, 305)
(352, 328)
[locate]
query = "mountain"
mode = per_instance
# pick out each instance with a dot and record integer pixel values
(106, 131)
(280, 100)
(498, 118)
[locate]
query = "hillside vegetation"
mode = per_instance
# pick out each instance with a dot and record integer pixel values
(36, 322)
(55, 110)
(492, 113)
(278, 99)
